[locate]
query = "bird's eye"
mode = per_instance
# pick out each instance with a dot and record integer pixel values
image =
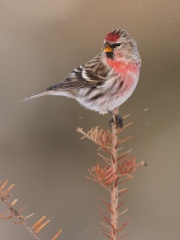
(115, 45)
(118, 44)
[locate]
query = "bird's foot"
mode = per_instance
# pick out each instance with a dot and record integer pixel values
(118, 121)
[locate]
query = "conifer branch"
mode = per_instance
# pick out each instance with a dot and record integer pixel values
(117, 169)
(11, 212)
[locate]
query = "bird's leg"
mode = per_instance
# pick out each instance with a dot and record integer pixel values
(118, 120)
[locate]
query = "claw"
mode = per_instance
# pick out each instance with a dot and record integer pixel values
(119, 121)
(111, 121)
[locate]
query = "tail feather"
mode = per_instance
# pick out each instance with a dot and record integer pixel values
(37, 95)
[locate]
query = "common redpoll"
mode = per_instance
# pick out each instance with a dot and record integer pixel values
(106, 81)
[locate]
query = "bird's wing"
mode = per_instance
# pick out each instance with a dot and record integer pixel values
(93, 73)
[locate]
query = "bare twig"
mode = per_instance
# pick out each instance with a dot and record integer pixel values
(114, 191)
(118, 168)
(17, 214)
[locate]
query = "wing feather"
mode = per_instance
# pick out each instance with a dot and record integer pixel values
(94, 73)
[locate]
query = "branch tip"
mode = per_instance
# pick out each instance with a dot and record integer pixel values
(57, 234)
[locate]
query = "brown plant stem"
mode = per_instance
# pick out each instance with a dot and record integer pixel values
(118, 168)
(114, 191)
(20, 218)
(11, 212)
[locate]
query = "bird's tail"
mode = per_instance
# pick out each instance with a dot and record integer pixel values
(38, 95)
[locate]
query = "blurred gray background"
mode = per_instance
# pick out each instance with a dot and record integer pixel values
(40, 151)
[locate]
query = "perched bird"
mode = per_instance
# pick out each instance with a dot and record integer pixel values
(106, 81)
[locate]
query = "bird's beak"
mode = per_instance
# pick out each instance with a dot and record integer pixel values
(107, 49)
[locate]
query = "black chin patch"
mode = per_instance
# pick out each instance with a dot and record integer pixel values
(109, 55)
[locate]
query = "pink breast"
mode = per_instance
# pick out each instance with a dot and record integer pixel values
(123, 68)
